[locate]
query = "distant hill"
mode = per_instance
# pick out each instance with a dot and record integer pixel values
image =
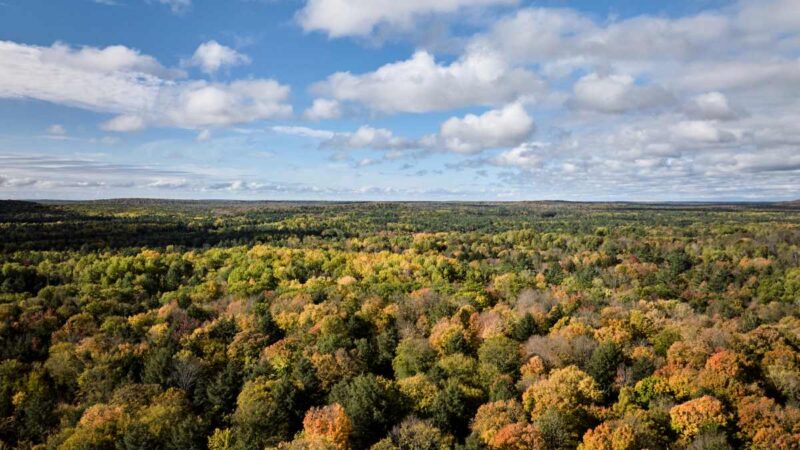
(27, 211)
(20, 206)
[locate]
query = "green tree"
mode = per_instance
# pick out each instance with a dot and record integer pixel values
(265, 414)
(373, 405)
(502, 353)
(413, 356)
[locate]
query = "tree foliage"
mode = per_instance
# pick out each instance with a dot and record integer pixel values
(178, 325)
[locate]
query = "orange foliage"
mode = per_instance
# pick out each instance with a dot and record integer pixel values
(695, 415)
(329, 423)
(518, 436)
(606, 437)
(769, 425)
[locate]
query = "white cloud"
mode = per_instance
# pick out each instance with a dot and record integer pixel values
(340, 18)
(366, 162)
(497, 128)
(527, 156)
(536, 34)
(172, 183)
(615, 94)
(772, 16)
(775, 74)
(124, 123)
(211, 56)
(114, 58)
(712, 50)
(712, 106)
(701, 131)
(54, 75)
(56, 129)
(304, 132)
(552, 35)
(421, 85)
(323, 109)
(176, 6)
(367, 137)
(135, 87)
(201, 104)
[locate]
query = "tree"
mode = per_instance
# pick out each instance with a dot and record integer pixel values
(99, 428)
(415, 434)
(372, 403)
(35, 408)
(413, 356)
(694, 416)
(492, 417)
(265, 413)
(562, 405)
(329, 423)
(603, 366)
(453, 408)
(502, 353)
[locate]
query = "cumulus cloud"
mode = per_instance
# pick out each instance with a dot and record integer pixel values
(134, 86)
(527, 156)
(547, 35)
(712, 106)
(615, 94)
(199, 104)
(338, 18)
(498, 128)
(701, 131)
(746, 44)
(114, 58)
(365, 137)
(420, 84)
(323, 109)
(123, 123)
(211, 56)
(778, 73)
(678, 107)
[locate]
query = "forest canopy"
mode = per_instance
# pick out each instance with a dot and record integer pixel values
(143, 324)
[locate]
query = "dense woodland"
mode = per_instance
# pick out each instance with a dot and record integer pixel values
(229, 325)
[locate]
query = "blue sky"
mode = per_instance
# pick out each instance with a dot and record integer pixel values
(417, 100)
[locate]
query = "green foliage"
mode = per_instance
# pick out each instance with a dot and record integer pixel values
(266, 413)
(502, 353)
(413, 356)
(372, 403)
(664, 339)
(603, 366)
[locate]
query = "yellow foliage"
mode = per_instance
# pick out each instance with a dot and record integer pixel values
(691, 417)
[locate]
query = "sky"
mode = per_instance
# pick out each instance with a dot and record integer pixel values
(497, 100)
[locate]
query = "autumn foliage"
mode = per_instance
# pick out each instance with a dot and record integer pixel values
(399, 326)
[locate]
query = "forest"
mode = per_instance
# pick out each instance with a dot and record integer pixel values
(157, 324)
